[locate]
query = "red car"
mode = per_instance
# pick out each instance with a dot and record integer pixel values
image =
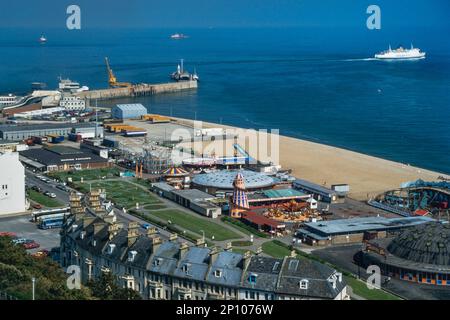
(37, 206)
(31, 245)
(8, 234)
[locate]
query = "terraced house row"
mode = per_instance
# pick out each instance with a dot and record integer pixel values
(172, 269)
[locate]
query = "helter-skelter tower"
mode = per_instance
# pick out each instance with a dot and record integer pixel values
(239, 200)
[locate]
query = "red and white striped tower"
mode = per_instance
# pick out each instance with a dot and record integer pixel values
(239, 200)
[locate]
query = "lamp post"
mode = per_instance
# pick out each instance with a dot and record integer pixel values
(33, 282)
(203, 233)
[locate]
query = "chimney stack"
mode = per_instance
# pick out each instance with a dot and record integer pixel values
(229, 247)
(173, 237)
(184, 247)
(98, 227)
(133, 233)
(156, 242)
(213, 254)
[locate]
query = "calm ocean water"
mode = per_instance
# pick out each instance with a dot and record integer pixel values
(315, 84)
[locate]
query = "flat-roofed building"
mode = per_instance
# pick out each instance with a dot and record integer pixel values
(22, 132)
(61, 158)
(197, 201)
(354, 230)
(319, 192)
(12, 184)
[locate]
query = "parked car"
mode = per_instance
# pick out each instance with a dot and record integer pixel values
(36, 206)
(63, 188)
(36, 188)
(19, 240)
(31, 245)
(8, 234)
(146, 226)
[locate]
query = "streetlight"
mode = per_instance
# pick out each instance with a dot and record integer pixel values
(33, 282)
(203, 233)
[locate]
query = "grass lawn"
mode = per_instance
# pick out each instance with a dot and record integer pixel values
(243, 227)
(241, 251)
(194, 224)
(273, 249)
(360, 288)
(123, 193)
(43, 200)
(88, 174)
(243, 243)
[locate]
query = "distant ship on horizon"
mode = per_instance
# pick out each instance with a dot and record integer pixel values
(42, 39)
(177, 36)
(401, 54)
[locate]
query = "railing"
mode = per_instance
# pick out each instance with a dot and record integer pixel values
(389, 208)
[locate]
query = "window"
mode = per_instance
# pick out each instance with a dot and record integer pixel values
(218, 273)
(304, 284)
(252, 278)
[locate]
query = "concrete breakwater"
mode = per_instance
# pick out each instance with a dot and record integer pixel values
(137, 90)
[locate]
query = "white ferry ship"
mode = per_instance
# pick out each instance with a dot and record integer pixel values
(9, 100)
(401, 54)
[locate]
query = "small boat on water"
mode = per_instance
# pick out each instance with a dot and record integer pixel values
(182, 75)
(42, 39)
(401, 54)
(178, 36)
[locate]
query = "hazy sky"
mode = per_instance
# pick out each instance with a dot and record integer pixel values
(222, 13)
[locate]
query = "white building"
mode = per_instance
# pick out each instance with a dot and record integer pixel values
(72, 103)
(12, 184)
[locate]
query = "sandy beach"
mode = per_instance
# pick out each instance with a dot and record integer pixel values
(367, 176)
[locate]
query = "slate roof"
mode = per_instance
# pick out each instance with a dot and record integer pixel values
(200, 263)
(426, 244)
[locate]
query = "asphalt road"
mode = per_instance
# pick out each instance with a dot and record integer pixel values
(31, 180)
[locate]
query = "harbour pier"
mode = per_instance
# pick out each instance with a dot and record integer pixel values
(137, 90)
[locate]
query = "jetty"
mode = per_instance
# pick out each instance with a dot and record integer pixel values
(137, 90)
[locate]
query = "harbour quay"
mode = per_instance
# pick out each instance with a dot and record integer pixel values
(137, 90)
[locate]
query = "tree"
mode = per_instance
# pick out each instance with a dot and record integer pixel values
(106, 288)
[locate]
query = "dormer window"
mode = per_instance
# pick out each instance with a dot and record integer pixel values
(111, 248)
(82, 234)
(252, 278)
(185, 267)
(218, 273)
(304, 284)
(157, 262)
(132, 255)
(94, 243)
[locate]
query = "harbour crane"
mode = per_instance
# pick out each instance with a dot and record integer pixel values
(113, 80)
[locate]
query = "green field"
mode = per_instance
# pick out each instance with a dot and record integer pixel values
(194, 224)
(91, 174)
(43, 199)
(360, 288)
(243, 227)
(243, 243)
(275, 250)
(123, 193)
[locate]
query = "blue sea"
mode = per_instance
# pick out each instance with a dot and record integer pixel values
(318, 84)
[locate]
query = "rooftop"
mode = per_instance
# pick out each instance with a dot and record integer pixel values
(224, 179)
(43, 126)
(355, 225)
(313, 186)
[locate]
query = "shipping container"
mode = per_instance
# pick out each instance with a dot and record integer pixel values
(110, 143)
(56, 139)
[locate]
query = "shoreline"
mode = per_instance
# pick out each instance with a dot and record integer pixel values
(323, 164)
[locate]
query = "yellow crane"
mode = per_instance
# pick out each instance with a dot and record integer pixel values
(112, 78)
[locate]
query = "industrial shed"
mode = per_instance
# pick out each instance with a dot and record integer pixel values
(128, 111)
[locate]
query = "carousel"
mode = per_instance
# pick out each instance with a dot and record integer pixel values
(292, 211)
(176, 176)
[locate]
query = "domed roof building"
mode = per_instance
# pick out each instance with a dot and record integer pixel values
(224, 180)
(418, 254)
(428, 244)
